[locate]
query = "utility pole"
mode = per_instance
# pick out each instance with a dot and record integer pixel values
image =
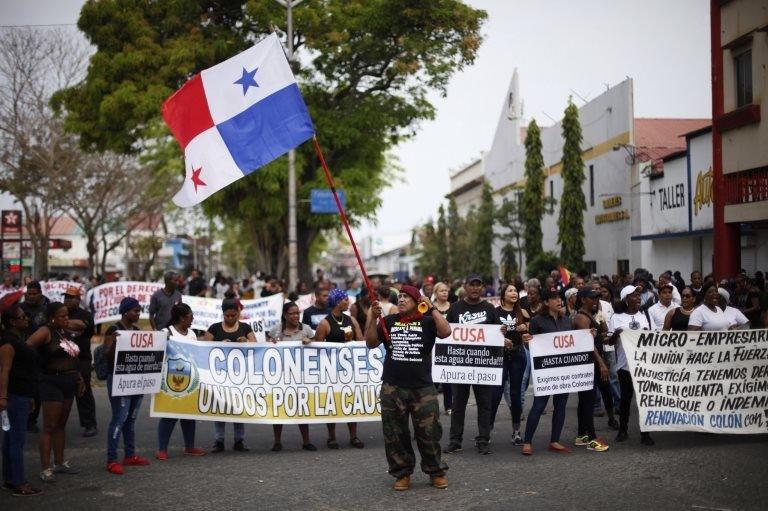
(293, 262)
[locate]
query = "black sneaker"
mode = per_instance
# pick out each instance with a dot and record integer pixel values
(622, 436)
(218, 446)
(613, 424)
(483, 448)
(452, 448)
(309, 447)
(240, 447)
(645, 439)
(89, 432)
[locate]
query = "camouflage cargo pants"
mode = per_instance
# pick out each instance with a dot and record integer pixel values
(421, 405)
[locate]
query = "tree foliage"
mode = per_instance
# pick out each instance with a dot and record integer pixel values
(483, 236)
(441, 233)
(540, 266)
(365, 69)
(532, 204)
(570, 223)
(509, 217)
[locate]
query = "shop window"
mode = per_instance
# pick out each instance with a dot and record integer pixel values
(623, 266)
(591, 266)
(742, 63)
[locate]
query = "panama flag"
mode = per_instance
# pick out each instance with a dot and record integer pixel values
(236, 117)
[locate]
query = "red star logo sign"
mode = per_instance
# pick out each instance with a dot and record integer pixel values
(11, 218)
(196, 178)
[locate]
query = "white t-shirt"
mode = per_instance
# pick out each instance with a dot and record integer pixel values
(636, 321)
(735, 316)
(178, 335)
(702, 316)
(605, 314)
(658, 313)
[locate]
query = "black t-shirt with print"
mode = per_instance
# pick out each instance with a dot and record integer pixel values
(219, 335)
(481, 313)
(408, 362)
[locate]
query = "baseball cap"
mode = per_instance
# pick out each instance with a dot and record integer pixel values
(473, 277)
(724, 293)
(667, 285)
(628, 290)
(587, 292)
(72, 291)
(570, 292)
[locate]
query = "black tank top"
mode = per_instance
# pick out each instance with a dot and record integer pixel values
(22, 378)
(52, 355)
(679, 322)
(340, 332)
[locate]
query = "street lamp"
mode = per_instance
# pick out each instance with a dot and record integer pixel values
(293, 265)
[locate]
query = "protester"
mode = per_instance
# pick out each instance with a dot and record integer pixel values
(60, 381)
(746, 298)
(658, 311)
(34, 306)
(180, 328)
(407, 391)
(384, 297)
(86, 404)
(471, 309)
(551, 319)
(230, 330)
(359, 309)
(162, 301)
(584, 320)
(570, 301)
(290, 329)
(532, 305)
(316, 312)
(709, 316)
(677, 319)
(125, 409)
(697, 283)
(196, 285)
(439, 299)
(516, 320)
(633, 319)
(736, 319)
(18, 380)
(338, 327)
(666, 278)
(7, 286)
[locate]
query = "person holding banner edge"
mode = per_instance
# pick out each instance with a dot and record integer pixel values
(408, 391)
(634, 319)
(339, 327)
(125, 409)
(550, 319)
(180, 328)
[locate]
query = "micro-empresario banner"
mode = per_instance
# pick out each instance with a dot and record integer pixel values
(700, 381)
(283, 383)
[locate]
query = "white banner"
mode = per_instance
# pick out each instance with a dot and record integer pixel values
(104, 300)
(139, 359)
(472, 354)
(262, 314)
(716, 382)
(562, 362)
(54, 289)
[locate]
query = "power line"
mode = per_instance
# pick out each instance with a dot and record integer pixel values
(40, 25)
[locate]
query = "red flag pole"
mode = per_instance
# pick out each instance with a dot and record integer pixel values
(345, 221)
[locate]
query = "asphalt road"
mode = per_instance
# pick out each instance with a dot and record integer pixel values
(683, 471)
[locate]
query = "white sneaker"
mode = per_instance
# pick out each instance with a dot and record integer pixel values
(65, 468)
(47, 476)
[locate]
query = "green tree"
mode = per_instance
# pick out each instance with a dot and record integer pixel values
(509, 217)
(483, 235)
(532, 203)
(541, 265)
(365, 70)
(427, 246)
(570, 223)
(455, 223)
(441, 262)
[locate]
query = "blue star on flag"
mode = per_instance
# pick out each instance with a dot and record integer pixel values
(247, 80)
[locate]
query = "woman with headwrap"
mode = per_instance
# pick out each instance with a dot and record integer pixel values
(339, 327)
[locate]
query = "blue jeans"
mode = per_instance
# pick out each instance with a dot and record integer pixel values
(558, 417)
(218, 430)
(165, 428)
(124, 412)
(512, 373)
(526, 378)
(14, 439)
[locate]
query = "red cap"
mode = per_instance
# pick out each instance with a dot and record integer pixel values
(412, 292)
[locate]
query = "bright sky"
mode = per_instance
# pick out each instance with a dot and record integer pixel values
(558, 46)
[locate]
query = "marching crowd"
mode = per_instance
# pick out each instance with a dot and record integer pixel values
(46, 358)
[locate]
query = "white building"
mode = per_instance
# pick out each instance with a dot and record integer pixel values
(615, 146)
(390, 254)
(467, 185)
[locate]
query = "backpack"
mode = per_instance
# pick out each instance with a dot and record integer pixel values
(100, 362)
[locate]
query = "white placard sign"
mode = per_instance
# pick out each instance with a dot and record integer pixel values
(562, 362)
(139, 359)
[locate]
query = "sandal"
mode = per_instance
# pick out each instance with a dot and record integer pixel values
(356, 443)
(25, 490)
(332, 444)
(277, 447)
